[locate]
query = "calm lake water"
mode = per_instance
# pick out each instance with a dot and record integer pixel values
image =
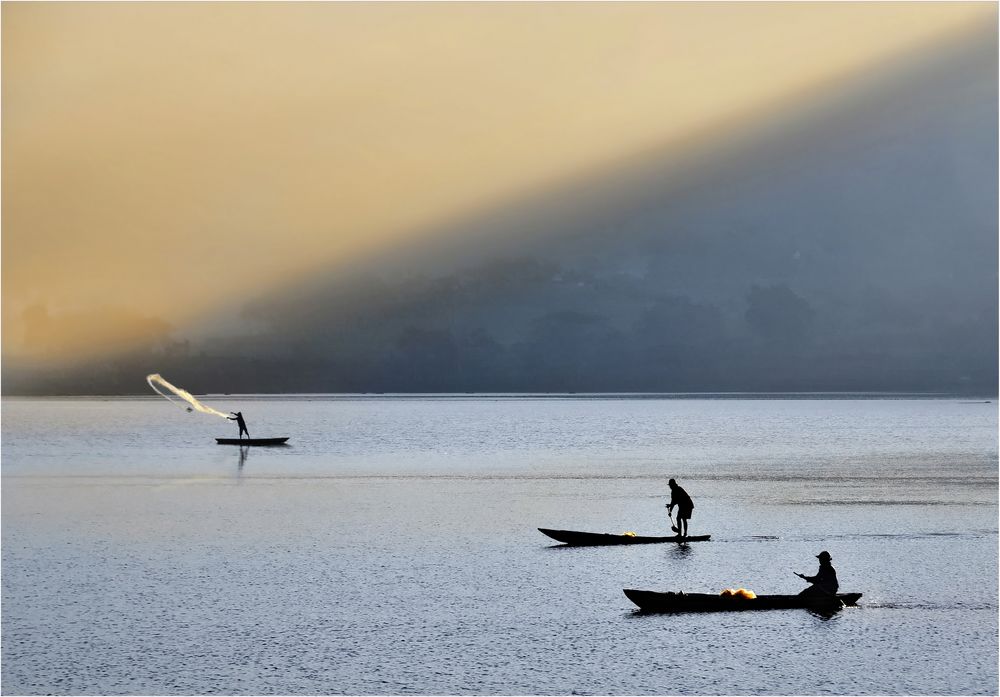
(393, 549)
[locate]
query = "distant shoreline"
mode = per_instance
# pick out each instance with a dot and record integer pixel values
(334, 396)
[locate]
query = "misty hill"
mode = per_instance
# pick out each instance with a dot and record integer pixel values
(845, 242)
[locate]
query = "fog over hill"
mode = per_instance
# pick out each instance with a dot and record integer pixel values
(847, 241)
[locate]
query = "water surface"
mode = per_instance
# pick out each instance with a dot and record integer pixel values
(392, 548)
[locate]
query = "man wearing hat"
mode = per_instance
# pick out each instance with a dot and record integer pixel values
(824, 583)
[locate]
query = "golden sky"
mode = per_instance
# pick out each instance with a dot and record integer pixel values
(165, 159)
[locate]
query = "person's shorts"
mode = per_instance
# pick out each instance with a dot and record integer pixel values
(684, 513)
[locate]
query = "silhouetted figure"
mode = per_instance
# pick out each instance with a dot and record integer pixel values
(685, 506)
(237, 416)
(824, 583)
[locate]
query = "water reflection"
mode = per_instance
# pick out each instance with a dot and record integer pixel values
(681, 550)
(826, 614)
(822, 615)
(244, 453)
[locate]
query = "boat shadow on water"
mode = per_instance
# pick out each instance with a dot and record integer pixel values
(822, 615)
(677, 551)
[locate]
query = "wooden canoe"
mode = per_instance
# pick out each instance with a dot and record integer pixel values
(251, 441)
(580, 539)
(652, 601)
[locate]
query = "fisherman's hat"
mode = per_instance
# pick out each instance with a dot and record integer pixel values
(823, 555)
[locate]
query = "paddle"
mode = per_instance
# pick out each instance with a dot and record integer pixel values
(670, 514)
(817, 589)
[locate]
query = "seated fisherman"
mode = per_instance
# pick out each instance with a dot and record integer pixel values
(824, 583)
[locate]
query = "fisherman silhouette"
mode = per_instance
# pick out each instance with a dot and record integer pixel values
(685, 506)
(824, 583)
(237, 416)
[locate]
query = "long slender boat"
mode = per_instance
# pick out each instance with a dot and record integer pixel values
(580, 539)
(251, 441)
(652, 601)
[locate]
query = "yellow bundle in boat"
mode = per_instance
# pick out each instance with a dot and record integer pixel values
(628, 533)
(739, 593)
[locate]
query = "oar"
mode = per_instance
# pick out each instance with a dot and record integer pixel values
(826, 594)
(670, 514)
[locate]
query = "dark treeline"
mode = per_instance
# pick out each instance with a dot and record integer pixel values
(552, 331)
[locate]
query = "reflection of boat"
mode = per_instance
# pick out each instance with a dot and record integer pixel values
(651, 601)
(572, 537)
(251, 441)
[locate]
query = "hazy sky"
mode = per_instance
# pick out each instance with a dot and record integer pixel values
(168, 158)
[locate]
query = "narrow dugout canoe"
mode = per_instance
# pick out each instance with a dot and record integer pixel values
(251, 441)
(652, 601)
(572, 537)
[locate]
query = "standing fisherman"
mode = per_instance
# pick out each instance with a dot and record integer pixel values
(685, 506)
(237, 416)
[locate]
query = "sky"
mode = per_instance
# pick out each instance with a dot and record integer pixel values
(165, 160)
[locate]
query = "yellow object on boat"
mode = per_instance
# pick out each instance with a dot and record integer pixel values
(628, 533)
(739, 593)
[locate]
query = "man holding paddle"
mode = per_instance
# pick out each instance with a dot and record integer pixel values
(685, 506)
(824, 583)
